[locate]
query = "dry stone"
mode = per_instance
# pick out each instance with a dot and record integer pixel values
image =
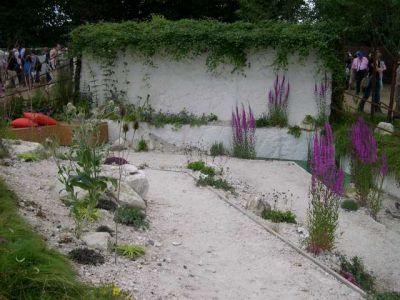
(129, 197)
(384, 128)
(138, 181)
(97, 240)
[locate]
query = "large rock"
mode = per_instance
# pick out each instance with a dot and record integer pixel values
(97, 240)
(18, 147)
(384, 128)
(258, 205)
(138, 181)
(129, 197)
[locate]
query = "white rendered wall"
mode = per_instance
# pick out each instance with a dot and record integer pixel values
(270, 142)
(175, 85)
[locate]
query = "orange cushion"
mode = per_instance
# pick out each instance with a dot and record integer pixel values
(40, 118)
(23, 123)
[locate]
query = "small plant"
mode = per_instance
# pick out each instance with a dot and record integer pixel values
(86, 256)
(202, 167)
(244, 129)
(105, 228)
(278, 216)
(114, 160)
(354, 271)
(142, 146)
(111, 291)
(326, 189)
(263, 121)
(131, 251)
(131, 216)
(217, 149)
(295, 131)
(29, 156)
(349, 205)
(217, 183)
(278, 102)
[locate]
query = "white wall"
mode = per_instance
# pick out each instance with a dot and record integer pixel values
(175, 85)
(270, 142)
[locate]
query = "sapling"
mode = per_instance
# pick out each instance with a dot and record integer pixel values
(326, 189)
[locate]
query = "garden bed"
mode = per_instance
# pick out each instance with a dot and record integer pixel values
(62, 132)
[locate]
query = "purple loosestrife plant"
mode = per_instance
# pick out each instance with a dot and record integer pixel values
(326, 190)
(364, 159)
(243, 129)
(278, 99)
(321, 91)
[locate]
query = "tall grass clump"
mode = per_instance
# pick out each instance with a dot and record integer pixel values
(368, 171)
(326, 189)
(28, 269)
(278, 99)
(243, 128)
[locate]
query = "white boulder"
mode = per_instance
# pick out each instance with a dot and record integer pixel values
(97, 240)
(129, 197)
(138, 181)
(18, 147)
(384, 128)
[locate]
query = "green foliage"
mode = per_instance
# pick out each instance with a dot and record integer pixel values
(277, 117)
(278, 216)
(322, 220)
(218, 149)
(221, 42)
(389, 144)
(263, 121)
(356, 267)
(349, 205)
(161, 119)
(215, 182)
(28, 269)
(295, 131)
(202, 167)
(386, 296)
(142, 146)
(131, 251)
(131, 216)
(29, 156)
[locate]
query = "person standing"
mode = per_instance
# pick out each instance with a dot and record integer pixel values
(360, 68)
(27, 68)
(397, 93)
(376, 67)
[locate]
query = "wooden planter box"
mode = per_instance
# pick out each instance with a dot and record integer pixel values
(62, 132)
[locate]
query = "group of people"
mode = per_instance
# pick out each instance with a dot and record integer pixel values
(366, 73)
(24, 67)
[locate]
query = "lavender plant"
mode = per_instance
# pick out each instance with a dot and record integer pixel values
(321, 95)
(364, 159)
(278, 102)
(326, 189)
(243, 128)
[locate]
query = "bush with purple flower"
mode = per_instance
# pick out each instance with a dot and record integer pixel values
(278, 99)
(321, 91)
(326, 189)
(243, 129)
(368, 171)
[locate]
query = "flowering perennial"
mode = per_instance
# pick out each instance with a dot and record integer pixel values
(363, 143)
(243, 128)
(278, 97)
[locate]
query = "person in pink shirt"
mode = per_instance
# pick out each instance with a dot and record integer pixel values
(360, 68)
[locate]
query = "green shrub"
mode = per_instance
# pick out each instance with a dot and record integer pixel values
(130, 251)
(142, 146)
(278, 118)
(131, 216)
(350, 205)
(217, 149)
(263, 121)
(295, 131)
(356, 267)
(28, 269)
(29, 156)
(217, 183)
(278, 216)
(202, 167)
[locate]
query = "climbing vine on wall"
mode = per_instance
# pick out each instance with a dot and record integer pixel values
(222, 43)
